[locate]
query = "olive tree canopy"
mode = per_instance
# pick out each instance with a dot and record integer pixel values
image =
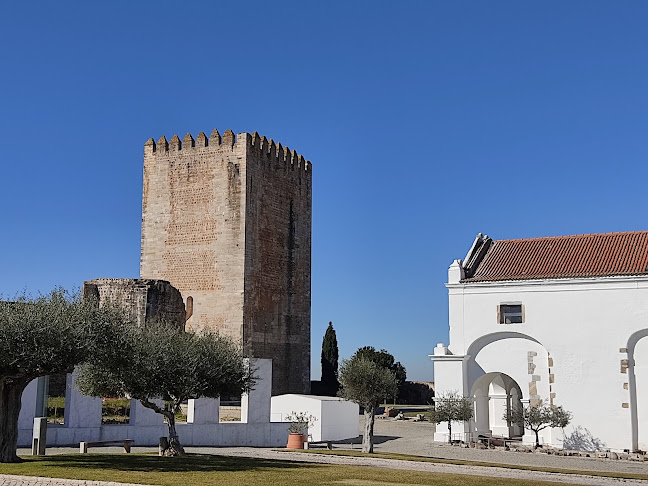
(385, 359)
(451, 407)
(47, 335)
(538, 416)
(161, 362)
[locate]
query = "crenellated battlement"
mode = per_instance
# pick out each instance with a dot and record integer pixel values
(259, 145)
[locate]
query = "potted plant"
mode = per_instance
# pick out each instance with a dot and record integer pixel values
(298, 422)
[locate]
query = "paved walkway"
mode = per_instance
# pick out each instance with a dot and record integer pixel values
(10, 480)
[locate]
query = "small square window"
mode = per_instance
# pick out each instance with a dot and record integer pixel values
(510, 314)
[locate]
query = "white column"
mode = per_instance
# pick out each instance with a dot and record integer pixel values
(498, 406)
(144, 416)
(482, 415)
(203, 411)
(80, 410)
(449, 372)
(255, 405)
(28, 406)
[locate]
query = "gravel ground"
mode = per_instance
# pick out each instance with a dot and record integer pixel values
(408, 437)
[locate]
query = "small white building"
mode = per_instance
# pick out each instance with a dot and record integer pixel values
(334, 418)
(560, 319)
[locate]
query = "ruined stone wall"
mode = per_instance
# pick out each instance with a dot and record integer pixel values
(193, 209)
(228, 222)
(278, 263)
(143, 299)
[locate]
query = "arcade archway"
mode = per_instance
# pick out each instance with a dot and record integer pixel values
(495, 395)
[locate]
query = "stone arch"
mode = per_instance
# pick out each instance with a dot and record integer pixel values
(638, 366)
(486, 339)
(505, 369)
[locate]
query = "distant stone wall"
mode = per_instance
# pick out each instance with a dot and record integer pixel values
(227, 220)
(144, 299)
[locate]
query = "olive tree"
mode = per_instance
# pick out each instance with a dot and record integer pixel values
(44, 336)
(385, 359)
(366, 383)
(451, 407)
(161, 362)
(537, 417)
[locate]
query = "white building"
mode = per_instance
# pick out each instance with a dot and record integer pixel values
(334, 418)
(559, 319)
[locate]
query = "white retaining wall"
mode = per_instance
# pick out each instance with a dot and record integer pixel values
(83, 420)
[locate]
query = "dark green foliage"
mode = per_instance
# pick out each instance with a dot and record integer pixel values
(386, 360)
(330, 362)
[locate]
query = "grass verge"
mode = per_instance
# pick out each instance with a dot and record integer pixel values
(224, 471)
(460, 462)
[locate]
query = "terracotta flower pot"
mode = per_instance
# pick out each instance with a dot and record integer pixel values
(295, 441)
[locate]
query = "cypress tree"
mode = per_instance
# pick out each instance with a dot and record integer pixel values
(330, 361)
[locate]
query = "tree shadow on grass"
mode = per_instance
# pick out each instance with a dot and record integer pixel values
(145, 463)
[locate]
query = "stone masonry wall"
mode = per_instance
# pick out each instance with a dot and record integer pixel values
(143, 299)
(278, 263)
(228, 222)
(193, 209)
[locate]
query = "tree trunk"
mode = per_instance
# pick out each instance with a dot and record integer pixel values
(175, 448)
(449, 431)
(537, 439)
(367, 438)
(10, 396)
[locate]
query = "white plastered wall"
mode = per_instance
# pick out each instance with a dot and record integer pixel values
(335, 418)
(583, 325)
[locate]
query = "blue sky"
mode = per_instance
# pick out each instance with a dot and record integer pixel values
(426, 123)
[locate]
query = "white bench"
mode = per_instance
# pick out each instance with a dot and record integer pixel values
(83, 446)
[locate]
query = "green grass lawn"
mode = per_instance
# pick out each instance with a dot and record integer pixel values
(438, 460)
(197, 469)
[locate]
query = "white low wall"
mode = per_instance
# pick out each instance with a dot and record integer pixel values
(83, 419)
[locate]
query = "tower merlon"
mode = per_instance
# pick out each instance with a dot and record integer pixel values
(188, 141)
(149, 147)
(229, 139)
(201, 140)
(215, 138)
(175, 144)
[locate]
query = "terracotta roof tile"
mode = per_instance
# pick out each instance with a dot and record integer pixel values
(591, 255)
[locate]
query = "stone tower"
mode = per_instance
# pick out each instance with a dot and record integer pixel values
(228, 223)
